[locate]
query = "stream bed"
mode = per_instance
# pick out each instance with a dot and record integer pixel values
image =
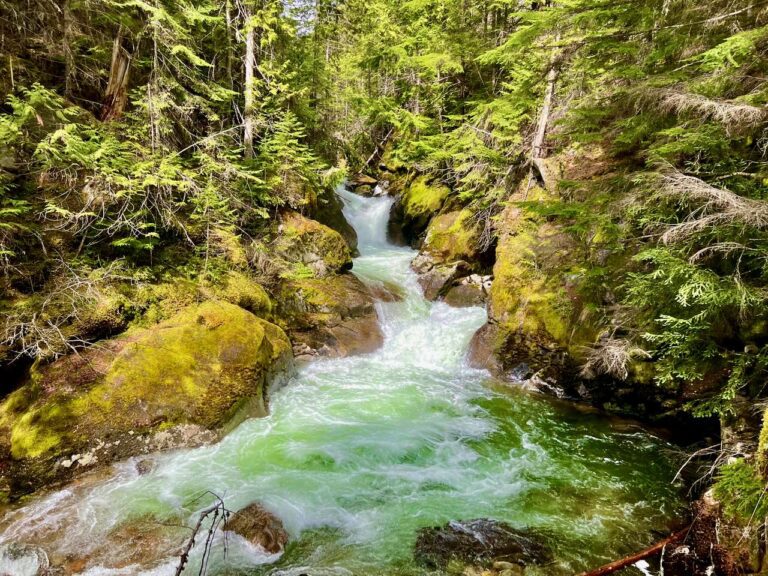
(360, 453)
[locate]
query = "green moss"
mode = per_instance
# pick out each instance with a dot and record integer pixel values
(423, 197)
(305, 241)
(244, 291)
(452, 236)
(201, 367)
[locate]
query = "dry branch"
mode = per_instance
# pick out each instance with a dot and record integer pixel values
(642, 555)
(734, 116)
(715, 207)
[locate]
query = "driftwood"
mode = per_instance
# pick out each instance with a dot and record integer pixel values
(642, 555)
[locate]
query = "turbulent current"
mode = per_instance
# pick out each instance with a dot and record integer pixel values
(359, 453)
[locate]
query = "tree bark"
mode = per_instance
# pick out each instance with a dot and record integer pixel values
(250, 65)
(116, 94)
(642, 555)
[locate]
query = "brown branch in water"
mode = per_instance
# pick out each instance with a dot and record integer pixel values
(634, 558)
(220, 514)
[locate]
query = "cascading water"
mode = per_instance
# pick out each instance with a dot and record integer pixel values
(359, 453)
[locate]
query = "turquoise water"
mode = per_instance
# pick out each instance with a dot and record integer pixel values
(359, 453)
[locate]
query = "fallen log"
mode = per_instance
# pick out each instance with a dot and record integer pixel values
(642, 555)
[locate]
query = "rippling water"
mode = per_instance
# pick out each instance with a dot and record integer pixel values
(359, 453)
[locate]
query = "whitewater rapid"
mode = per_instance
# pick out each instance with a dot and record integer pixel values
(359, 453)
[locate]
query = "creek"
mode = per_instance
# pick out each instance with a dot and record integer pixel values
(359, 453)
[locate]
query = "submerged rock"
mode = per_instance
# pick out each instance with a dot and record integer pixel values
(479, 542)
(260, 527)
(23, 560)
(166, 386)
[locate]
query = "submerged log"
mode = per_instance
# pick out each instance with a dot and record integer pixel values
(642, 555)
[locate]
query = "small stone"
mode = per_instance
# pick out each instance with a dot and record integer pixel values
(67, 463)
(144, 466)
(87, 460)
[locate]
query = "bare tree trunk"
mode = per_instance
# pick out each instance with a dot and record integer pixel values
(250, 64)
(66, 47)
(538, 149)
(116, 94)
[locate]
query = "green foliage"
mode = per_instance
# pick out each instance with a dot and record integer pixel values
(742, 491)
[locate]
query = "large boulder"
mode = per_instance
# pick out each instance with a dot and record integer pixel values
(313, 245)
(413, 209)
(479, 542)
(333, 316)
(328, 211)
(203, 370)
(536, 314)
(453, 236)
(260, 527)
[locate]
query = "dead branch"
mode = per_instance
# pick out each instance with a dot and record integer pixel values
(219, 515)
(642, 555)
(716, 207)
(734, 116)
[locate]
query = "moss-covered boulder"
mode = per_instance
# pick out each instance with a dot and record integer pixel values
(206, 368)
(420, 200)
(328, 211)
(453, 236)
(242, 290)
(536, 314)
(333, 316)
(309, 243)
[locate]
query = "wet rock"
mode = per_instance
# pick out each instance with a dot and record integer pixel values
(191, 376)
(328, 211)
(482, 350)
(23, 560)
(332, 317)
(359, 180)
(479, 542)
(438, 279)
(144, 466)
(260, 527)
(465, 295)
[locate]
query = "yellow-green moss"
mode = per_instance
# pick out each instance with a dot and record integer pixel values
(197, 367)
(244, 291)
(302, 239)
(524, 298)
(423, 197)
(452, 236)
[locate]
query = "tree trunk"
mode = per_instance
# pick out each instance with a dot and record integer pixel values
(116, 94)
(250, 64)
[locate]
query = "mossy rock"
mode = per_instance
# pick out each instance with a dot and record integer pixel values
(537, 313)
(245, 292)
(328, 211)
(452, 236)
(333, 316)
(414, 208)
(208, 366)
(308, 242)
